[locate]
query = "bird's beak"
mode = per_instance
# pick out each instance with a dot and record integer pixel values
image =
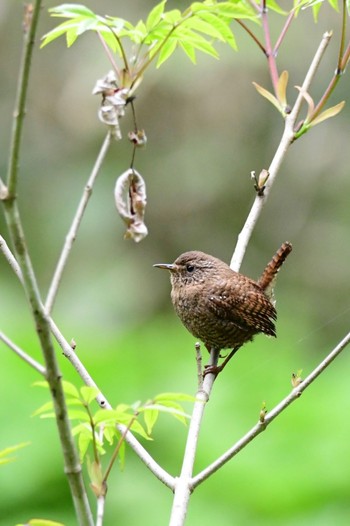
(167, 266)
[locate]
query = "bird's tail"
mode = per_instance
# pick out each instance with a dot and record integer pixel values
(268, 277)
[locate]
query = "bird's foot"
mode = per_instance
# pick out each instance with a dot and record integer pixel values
(212, 369)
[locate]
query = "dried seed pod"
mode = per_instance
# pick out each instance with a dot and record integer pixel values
(130, 200)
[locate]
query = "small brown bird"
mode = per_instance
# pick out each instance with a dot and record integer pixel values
(223, 308)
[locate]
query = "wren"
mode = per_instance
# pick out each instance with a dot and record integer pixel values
(223, 308)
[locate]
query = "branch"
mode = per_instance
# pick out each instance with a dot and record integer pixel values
(69, 353)
(286, 140)
(183, 483)
(271, 415)
(70, 238)
(22, 354)
(12, 216)
(31, 23)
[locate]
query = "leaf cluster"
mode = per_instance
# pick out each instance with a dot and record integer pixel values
(162, 32)
(96, 428)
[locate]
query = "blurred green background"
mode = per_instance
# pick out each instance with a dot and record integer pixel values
(207, 129)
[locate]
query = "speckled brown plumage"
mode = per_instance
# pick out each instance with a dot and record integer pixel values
(223, 308)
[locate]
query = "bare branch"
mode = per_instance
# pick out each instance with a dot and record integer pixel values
(22, 354)
(271, 415)
(286, 141)
(11, 259)
(183, 483)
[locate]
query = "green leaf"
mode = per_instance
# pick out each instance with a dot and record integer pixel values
(197, 41)
(70, 389)
(155, 15)
(5, 457)
(178, 397)
(76, 414)
(235, 10)
(271, 4)
(173, 16)
(89, 393)
(136, 427)
(112, 416)
(189, 50)
(221, 27)
(41, 522)
(140, 32)
(71, 36)
(172, 408)
(150, 416)
(71, 11)
(48, 406)
(166, 51)
(202, 26)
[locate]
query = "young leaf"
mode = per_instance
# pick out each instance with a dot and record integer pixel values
(265, 93)
(271, 4)
(282, 88)
(4, 454)
(177, 397)
(88, 393)
(155, 15)
(136, 427)
(150, 416)
(221, 26)
(75, 414)
(189, 50)
(41, 522)
(327, 114)
(166, 51)
(71, 11)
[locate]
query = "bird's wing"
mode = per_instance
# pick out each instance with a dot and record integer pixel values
(243, 304)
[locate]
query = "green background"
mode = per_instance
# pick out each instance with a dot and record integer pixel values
(207, 129)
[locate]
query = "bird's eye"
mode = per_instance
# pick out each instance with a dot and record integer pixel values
(189, 268)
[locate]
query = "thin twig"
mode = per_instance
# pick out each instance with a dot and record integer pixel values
(286, 141)
(109, 55)
(282, 35)
(70, 238)
(271, 415)
(10, 259)
(251, 34)
(343, 58)
(23, 355)
(269, 51)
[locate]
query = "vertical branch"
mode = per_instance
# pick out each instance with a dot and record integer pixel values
(29, 37)
(183, 487)
(12, 216)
